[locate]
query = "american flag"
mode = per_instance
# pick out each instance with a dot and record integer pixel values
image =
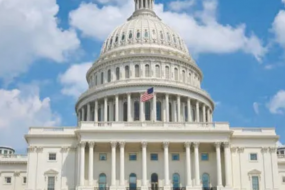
(147, 95)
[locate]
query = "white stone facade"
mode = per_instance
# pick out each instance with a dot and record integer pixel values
(169, 142)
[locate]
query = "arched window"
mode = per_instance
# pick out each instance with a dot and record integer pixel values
(102, 181)
(170, 112)
(166, 72)
(127, 72)
(147, 111)
(183, 76)
(176, 181)
(168, 36)
(176, 74)
(125, 114)
(108, 113)
(137, 111)
(138, 34)
(186, 113)
(117, 38)
(111, 41)
(154, 181)
(130, 35)
(133, 181)
(189, 78)
(145, 33)
(157, 71)
(109, 75)
(193, 114)
(95, 79)
(102, 77)
(147, 72)
(137, 71)
(123, 36)
(174, 39)
(158, 111)
(206, 181)
(118, 73)
(161, 35)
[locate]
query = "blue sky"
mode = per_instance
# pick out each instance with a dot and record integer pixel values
(47, 46)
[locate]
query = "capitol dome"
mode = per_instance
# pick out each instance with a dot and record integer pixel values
(140, 54)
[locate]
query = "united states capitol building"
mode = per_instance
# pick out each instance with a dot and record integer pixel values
(169, 142)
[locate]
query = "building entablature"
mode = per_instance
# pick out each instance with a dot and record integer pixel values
(13, 159)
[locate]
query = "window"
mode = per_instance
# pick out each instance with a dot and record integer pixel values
(175, 157)
(123, 36)
(186, 114)
(167, 72)
(117, 73)
(51, 183)
(253, 156)
(157, 71)
(24, 180)
(102, 181)
(145, 34)
(147, 74)
(109, 75)
(204, 156)
(8, 180)
(158, 111)
(132, 156)
(154, 181)
(161, 35)
(138, 34)
(168, 36)
(133, 181)
(176, 181)
(5, 152)
(255, 183)
(130, 35)
(52, 156)
(153, 156)
(170, 111)
(102, 77)
(137, 71)
(125, 114)
(283, 179)
(117, 38)
(99, 114)
(282, 152)
(183, 76)
(176, 74)
(95, 79)
(147, 111)
(127, 72)
(205, 180)
(174, 39)
(137, 111)
(102, 156)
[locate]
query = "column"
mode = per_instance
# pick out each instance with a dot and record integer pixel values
(122, 163)
(88, 112)
(204, 113)
(137, 4)
(189, 110)
(188, 164)
(117, 108)
(219, 170)
(228, 163)
(146, 4)
(167, 107)
(174, 112)
(141, 4)
(197, 165)
(129, 107)
(208, 115)
(113, 177)
(105, 109)
(144, 166)
(142, 115)
(166, 164)
(82, 164)
(154, 107)
(96, 111)
(197, 112)
(82, 114)
(178, 109)
(91, 145)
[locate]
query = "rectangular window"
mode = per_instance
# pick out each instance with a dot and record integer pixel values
(8, 180)
(132, 157)
(52, 156)
(175, 157)
(24, 180)
(255, 183)
(102, 156)
(253, 156)
(282, 152)
(51, 183)
(283, 179)
(204, 156)
(153, 156)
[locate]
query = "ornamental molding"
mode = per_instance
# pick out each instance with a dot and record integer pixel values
(31, 149)
(144, 144)
(113, 144)
(272, 149)
(39, 149)
(196, 144)
(122, 144)
(64, 149)
(82, 144)
(165, 144)
(234, 149)
(264, 149)
(226, 144)
(217, 144)
(240, 149)
(187, 144)
(91, 144)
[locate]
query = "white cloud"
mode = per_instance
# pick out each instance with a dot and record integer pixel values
(21, 108)
(277, 103)
(73, 79)
(256, 107)
(181, 5)
(278, 27)
(201, 30)
(29, 32)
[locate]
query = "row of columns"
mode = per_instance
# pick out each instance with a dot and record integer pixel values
(139, 4)
(228, 173)
(206, 111)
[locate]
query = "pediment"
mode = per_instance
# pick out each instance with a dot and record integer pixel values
(51, 172)
(254, 172)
